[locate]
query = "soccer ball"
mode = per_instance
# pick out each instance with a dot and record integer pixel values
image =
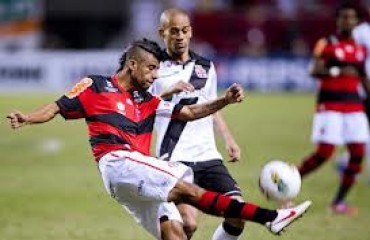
(280, 181)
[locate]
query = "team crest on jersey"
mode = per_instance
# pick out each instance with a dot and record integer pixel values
(200, 71)
(79, 87)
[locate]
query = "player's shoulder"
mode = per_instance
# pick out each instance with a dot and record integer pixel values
(102, 83)
(363, 27)
(201, 60)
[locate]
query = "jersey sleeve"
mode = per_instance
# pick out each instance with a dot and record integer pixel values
(168, 109)
(70, 104)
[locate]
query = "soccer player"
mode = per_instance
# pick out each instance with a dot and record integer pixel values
(338, 64)
(187, 78)
(120, 114)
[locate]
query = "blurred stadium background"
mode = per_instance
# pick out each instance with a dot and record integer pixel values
(49, 186)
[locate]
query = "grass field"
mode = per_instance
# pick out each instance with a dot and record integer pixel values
(50, 187)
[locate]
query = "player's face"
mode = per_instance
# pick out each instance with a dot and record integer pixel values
(177, 34)
(144, 71)
(347, 20)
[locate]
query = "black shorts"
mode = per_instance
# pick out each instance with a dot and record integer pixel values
(214, 176)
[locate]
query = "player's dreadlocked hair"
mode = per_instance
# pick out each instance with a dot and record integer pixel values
(144, 44)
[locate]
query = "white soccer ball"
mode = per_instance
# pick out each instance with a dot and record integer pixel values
(280, 181)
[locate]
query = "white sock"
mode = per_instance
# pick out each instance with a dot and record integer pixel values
(220, 234)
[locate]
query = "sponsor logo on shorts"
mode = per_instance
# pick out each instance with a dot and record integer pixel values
(140, 188)
(173, 164)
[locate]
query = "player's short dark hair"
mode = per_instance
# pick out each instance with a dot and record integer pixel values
(136, 46)
(348, 5)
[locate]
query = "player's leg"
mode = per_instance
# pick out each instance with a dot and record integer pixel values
(141, 185)
(171, 224)
(189, 216)
(215, 177)
(171, 230)
(220, 205)
(230, 228)
(326, 133)
(356, 135)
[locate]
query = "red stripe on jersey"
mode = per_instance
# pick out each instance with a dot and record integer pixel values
(140, 143)
(149, 165)
(340, 83)
(97, 128)
(340, 107)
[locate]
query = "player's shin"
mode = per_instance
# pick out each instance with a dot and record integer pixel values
(220, 205)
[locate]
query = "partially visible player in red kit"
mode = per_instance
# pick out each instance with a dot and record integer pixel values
(338, 64)
(120, 115)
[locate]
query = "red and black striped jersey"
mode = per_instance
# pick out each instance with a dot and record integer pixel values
(340, 93)
(116, 119)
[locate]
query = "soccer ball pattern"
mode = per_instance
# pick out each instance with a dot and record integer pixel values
(279, 181)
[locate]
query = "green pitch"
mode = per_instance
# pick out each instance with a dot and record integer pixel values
(50, 187)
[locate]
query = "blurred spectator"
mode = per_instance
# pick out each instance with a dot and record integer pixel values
(20, 24)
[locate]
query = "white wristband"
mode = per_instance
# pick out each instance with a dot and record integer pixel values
(334, 71)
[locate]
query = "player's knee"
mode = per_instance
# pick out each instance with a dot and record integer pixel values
(172, 230)
(325, 150)
(184, 192)
(234, 226)
(190, 225)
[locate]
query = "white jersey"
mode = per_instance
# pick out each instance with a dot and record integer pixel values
(361, 34)
(187, 141)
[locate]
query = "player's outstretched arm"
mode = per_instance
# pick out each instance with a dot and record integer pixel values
(18, 119)
(234, 94)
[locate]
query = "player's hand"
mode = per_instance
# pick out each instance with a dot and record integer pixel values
(233, 151)
(234, 94)
(182, 86)
(17, 119)
(178, 87)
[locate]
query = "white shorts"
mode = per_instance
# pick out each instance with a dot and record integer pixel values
(141, 184)
(340, 128)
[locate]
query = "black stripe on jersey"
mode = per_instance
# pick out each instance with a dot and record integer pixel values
(107, 139)
(332, 96)
(124, 124)
(335, 62)
(174, 130)
(70, 107)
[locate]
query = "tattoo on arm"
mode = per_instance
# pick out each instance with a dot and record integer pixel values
(206, 109)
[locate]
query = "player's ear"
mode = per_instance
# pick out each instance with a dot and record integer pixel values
(161, 32)
(190, 32)
(132, 64)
